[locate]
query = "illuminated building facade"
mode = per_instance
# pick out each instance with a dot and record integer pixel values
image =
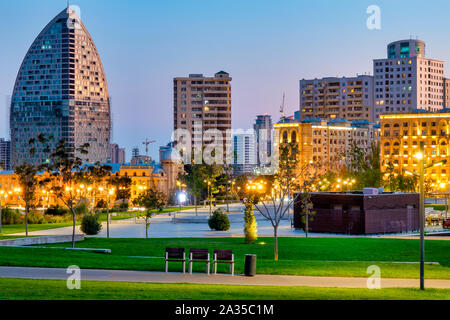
(401, 135)
(326, 143)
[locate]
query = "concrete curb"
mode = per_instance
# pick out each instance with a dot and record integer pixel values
(40, 240)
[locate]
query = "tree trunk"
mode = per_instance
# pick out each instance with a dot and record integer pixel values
(228, 208)
(306, 224)
(27, 208)
(210, 203)
(195, 200)
(73, 228)
(275, 234)
(146, 228)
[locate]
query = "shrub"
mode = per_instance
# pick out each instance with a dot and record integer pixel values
(219, 221)
(90, 224)
(57, 219)
(124, 206)
(82, 209)
(55, 211)
(35, 217)
(11, 216)
(101, 204)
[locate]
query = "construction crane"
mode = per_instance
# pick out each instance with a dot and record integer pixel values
(146, 143)
(282, 115)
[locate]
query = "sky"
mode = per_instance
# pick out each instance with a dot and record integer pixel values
(266, 46)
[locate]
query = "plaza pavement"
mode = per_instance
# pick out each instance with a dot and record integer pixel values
(221, 279)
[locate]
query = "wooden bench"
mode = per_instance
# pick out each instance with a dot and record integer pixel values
(199, 255)
(223, 256)
(175, 255)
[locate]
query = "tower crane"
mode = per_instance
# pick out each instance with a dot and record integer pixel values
(146, 143)
(282, 115)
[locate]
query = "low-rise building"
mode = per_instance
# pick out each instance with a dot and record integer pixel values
(326, 143)
(401, 135)
(162, 176)
(357, 213)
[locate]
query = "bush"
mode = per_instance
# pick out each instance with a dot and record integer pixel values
(101, 204)
(90, 224)
(219, 221)
(35, 217)
(11, 216)
(57, 219)
(56, 211)
(82, 209)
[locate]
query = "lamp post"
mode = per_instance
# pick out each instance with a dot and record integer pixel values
(1, 198)
(422, 167)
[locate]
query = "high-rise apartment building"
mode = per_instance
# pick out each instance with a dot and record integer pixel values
(332, 97)
(116, 154)
(406, 80)
(203, 103)
(244, 153)
(264, 142)
(61, 91)
(5, 154)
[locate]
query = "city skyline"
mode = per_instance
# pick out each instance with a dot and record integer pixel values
(252, 36)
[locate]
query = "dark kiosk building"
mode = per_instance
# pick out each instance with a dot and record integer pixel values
(357, 213)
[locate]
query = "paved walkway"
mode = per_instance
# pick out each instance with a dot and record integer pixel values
(225, 279)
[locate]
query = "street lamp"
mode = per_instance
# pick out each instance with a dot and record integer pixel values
(422, 167)
(1, 198)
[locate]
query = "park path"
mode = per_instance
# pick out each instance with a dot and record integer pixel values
(224, 279)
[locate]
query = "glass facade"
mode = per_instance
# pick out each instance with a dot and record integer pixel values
(61, 91)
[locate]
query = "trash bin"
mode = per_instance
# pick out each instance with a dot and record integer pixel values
(250, 265)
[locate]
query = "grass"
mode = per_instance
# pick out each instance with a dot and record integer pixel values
(17, 228)
(437, 207)
(298, 256)
(95, 290)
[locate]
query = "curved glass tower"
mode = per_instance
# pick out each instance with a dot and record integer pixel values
(61, 91)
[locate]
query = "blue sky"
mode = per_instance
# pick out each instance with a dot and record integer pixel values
(266, 46)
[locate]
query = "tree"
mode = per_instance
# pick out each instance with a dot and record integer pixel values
(210, 174)
(122, 187)
(152, 200)
(364, 167)
(194, 181)
(27, 176)
(98, 174)
(250, 226)
(292, 175)
(306, 212)
(67, 176)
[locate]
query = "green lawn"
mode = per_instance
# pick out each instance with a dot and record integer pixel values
(16, 228)
(298, 256)
(96, 290)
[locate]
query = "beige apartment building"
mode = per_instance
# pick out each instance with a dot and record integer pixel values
(202, 103)
(407, 80)
(326, 142)
(331, 97)
(401, 135)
